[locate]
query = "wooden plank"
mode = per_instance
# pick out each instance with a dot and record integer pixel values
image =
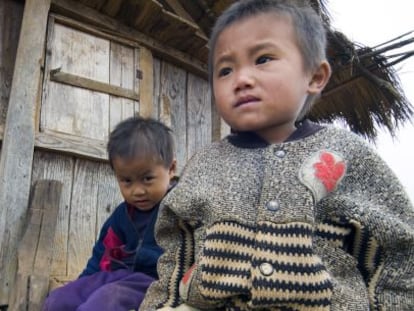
(112, 7)
(48, 201)
(112, 27)
(10, 20)
(95, 195)
(144, 14)
(79, 53)
(173, 107)
(39, 287)
(93, 30)
(156, 88)
(89, 84)
(176, 31)
(96, 4)
(146, 106)
(122, 72)
(29, 243)
(48, 165)
(18, 299)
(35, 250)
(179, 10)
(108, 196)
(84, 211)
(138, 77)
(198, 114)
(74, 145)
(72, 110)
(18, 143)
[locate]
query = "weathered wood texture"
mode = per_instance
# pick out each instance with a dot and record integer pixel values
(35, 251)
(11, 13)
(173, 106)
(18, 141)
(199, 128)
(89, 195)
(172, 27)
(121, 26)
(91, 84)
(90, 192)
(72, 124)
(147, 84)
(47, 165)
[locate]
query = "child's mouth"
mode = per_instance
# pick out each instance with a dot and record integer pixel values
(245, 100)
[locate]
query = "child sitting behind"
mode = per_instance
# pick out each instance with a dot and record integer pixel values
(284, 214)
(123, 261)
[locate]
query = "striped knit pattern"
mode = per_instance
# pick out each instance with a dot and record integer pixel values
(184, 258)
(298, 280)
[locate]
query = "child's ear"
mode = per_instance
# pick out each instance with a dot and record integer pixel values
(320, 78)
(173, 168)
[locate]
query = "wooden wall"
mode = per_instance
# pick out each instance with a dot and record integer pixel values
(75, 121)
(90, 192)
(89, 195)
(89, 81)
(11, 12)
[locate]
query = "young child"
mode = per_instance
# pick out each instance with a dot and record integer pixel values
(284, 214)
(123, 261)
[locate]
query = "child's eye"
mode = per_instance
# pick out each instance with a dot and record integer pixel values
(125, 181)
(224, 72)
(148, 179)
(263, 59)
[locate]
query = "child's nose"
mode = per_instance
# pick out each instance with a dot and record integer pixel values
(138, 190)
(244, 79)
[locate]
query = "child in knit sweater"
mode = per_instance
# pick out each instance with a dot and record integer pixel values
(283, 214)
(124, 258)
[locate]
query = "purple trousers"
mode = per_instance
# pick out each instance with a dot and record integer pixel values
(119, 290)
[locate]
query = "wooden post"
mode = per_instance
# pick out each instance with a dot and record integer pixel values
(18, 142)
(36, 249)
(146, 108)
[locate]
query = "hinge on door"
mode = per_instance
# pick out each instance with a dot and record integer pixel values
(139, 74)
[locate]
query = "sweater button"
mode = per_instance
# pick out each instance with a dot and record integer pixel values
(272, 206)
(266, 269)
(280, 153)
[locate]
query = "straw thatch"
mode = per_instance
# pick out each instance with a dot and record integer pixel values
(364, 91)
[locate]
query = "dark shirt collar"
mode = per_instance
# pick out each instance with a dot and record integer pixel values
(251, 140)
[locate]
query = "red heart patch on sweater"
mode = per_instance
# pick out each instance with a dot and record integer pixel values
(328, 171)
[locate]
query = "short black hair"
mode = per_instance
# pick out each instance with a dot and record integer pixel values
(141, 137)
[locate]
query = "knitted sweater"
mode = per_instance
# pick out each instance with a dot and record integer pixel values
(319, 223)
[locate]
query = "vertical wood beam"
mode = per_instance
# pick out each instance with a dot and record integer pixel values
(19, 133)
(146, 66)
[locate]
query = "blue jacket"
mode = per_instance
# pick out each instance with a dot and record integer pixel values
(121, 245)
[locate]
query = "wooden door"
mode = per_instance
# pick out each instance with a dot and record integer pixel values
(90, 84)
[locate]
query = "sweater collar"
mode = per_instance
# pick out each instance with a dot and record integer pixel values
(251, 140)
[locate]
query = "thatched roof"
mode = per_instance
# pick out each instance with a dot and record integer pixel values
(364, 90)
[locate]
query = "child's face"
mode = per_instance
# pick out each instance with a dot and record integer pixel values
(259, 79)
(143, 183)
